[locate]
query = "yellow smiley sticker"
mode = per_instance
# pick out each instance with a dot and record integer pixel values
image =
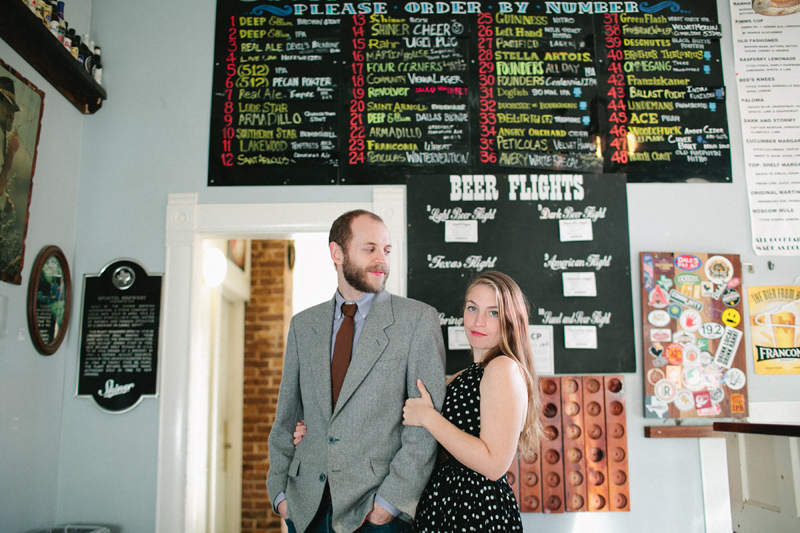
(731, 317)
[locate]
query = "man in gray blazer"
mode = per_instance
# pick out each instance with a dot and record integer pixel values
(358, 466)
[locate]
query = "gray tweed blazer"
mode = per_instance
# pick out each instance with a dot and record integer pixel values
(361, 448)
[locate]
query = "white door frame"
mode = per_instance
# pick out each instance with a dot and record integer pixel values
(183, 399)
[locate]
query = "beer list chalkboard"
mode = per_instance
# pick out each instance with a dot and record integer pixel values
(325, 92)
(562, 237)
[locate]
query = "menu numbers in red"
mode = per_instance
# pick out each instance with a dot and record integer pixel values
(227, 116)
(487, 149)
(616, 80)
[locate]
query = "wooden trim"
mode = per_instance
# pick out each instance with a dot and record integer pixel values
(780, 430)
(680, 432)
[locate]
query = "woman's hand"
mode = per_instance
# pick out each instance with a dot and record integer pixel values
(299, 430)
(417, 410)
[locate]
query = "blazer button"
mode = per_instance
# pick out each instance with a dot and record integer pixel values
(322, 478)
(331, 440)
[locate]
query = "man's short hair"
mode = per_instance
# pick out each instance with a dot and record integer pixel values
(342, 230)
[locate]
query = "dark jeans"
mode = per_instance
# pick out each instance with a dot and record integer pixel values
(323, 523)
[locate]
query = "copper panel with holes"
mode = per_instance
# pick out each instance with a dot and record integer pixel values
(618, 488)
(552, 448)
(595, 443)
(574, 444)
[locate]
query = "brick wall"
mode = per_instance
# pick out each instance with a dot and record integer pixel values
(266, 324)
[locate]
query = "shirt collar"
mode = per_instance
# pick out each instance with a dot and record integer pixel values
(364, 303)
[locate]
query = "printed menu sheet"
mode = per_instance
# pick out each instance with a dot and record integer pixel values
(767, 57)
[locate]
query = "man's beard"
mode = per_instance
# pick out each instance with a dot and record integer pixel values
(358, 278)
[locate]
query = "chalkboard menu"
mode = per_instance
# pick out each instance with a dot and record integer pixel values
(119, 336)
(562, 237)
(374, 92)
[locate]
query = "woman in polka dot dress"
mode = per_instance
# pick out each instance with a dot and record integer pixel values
(491, 409)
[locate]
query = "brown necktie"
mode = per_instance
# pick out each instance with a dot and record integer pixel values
(342, 349)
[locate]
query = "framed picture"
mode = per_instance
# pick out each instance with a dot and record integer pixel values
(21, 106)
(49, 300)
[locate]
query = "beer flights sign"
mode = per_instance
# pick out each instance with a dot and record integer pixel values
(775, 328)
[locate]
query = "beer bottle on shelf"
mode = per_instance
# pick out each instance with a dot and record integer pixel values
(54, 28)
(86, 53)
(97, 66)
(76, 45)
(47, 13)
(68, 34)
(62, 28)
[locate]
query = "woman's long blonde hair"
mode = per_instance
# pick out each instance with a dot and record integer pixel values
(513, 310)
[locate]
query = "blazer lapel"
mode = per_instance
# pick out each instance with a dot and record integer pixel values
(322, 329)
(371, 344)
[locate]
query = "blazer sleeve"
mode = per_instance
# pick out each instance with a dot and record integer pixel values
(413, 463)
(289, 411)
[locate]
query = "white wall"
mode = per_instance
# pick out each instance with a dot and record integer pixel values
(100, 192)
(32, 385)
(314, 278)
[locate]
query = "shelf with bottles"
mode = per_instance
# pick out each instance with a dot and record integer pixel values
(29, 37)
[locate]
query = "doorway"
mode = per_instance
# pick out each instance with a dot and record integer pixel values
(286, 277)
(183, 448)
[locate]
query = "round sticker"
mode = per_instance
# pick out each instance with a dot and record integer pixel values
(684, 400)
(735, 379)
(730, 297)
(674, 353)
(674, 310)
(658, 298)
(665, 390)
(691, 355)
(719, 270)
(733, 283)
(731, 317)
(654, 375)
(659, 318)
(690, 320)
(717, 395)
(693, 378)
(711, 330)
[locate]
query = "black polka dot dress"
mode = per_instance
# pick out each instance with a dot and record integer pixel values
(458, 499)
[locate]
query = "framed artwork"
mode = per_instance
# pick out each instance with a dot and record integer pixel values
(775, 328)
(49, 300)
(21, 106)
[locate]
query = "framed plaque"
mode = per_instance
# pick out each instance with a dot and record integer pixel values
(49, 300)
(119, 336)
